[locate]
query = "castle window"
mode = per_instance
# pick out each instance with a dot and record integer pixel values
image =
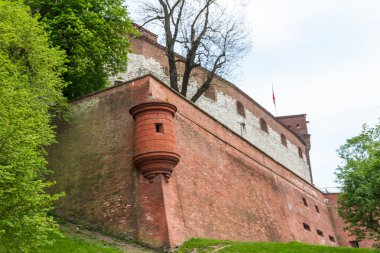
(300, 152)
(210, 93)
(263, 125)
(159, 128)
(240, 108)
(304, 201)
(354, 244)
(283, 140)
(319, 232)
(306, 227)
(331, 238)
(316, 208)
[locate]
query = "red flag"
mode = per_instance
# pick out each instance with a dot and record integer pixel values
(274, 100)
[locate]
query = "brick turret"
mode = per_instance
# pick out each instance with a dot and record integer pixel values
(155, 146)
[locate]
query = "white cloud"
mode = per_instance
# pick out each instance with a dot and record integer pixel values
(323, 58)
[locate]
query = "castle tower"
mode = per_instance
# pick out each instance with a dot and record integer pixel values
(298, 124)
(155, 146)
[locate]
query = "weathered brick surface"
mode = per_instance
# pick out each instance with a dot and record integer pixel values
(228, 189)
(92, 161)
(223, 187)
(151, 218)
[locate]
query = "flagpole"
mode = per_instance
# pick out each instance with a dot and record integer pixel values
(274, 100)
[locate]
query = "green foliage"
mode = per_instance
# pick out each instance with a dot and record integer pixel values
(94, 34)
(29, 88)
(71, 244)
(359, 201)
(207, 246)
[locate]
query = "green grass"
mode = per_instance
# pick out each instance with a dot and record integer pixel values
(207, 246)
(71, 244)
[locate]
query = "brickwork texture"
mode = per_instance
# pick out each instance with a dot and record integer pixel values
(221, 185)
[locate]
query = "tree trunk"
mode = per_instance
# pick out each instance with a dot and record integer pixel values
(203, 88)
(172, 70)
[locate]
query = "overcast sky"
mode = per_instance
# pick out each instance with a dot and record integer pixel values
(323, 58)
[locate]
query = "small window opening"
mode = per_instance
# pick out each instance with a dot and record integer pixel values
(319, 232)
(306, 227)
(298, 126)
(300, 152)
(240, 109)
(331, 238)
(304, 201)
(159, 128)
(283, 140)
(316, 208)
(354, 244)
(263, 125)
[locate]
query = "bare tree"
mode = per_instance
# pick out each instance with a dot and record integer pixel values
(204, 34)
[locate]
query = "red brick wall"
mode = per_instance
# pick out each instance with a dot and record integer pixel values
(92, 161)
(92, 164)
(223, 187)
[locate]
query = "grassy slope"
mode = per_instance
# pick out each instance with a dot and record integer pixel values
(207, 246)
(71, 244)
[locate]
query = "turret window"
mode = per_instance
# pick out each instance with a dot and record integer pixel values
(159, 128)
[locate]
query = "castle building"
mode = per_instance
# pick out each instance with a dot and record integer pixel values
(140, 161)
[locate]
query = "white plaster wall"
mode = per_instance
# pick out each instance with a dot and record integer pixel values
(224, 109)
(138, 65)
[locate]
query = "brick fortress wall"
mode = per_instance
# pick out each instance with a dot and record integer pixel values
(223, 186)
(226, 188)
(92, 161)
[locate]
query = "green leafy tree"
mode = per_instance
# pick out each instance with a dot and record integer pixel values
(94, 34)
(359, 201)
(30, 87)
